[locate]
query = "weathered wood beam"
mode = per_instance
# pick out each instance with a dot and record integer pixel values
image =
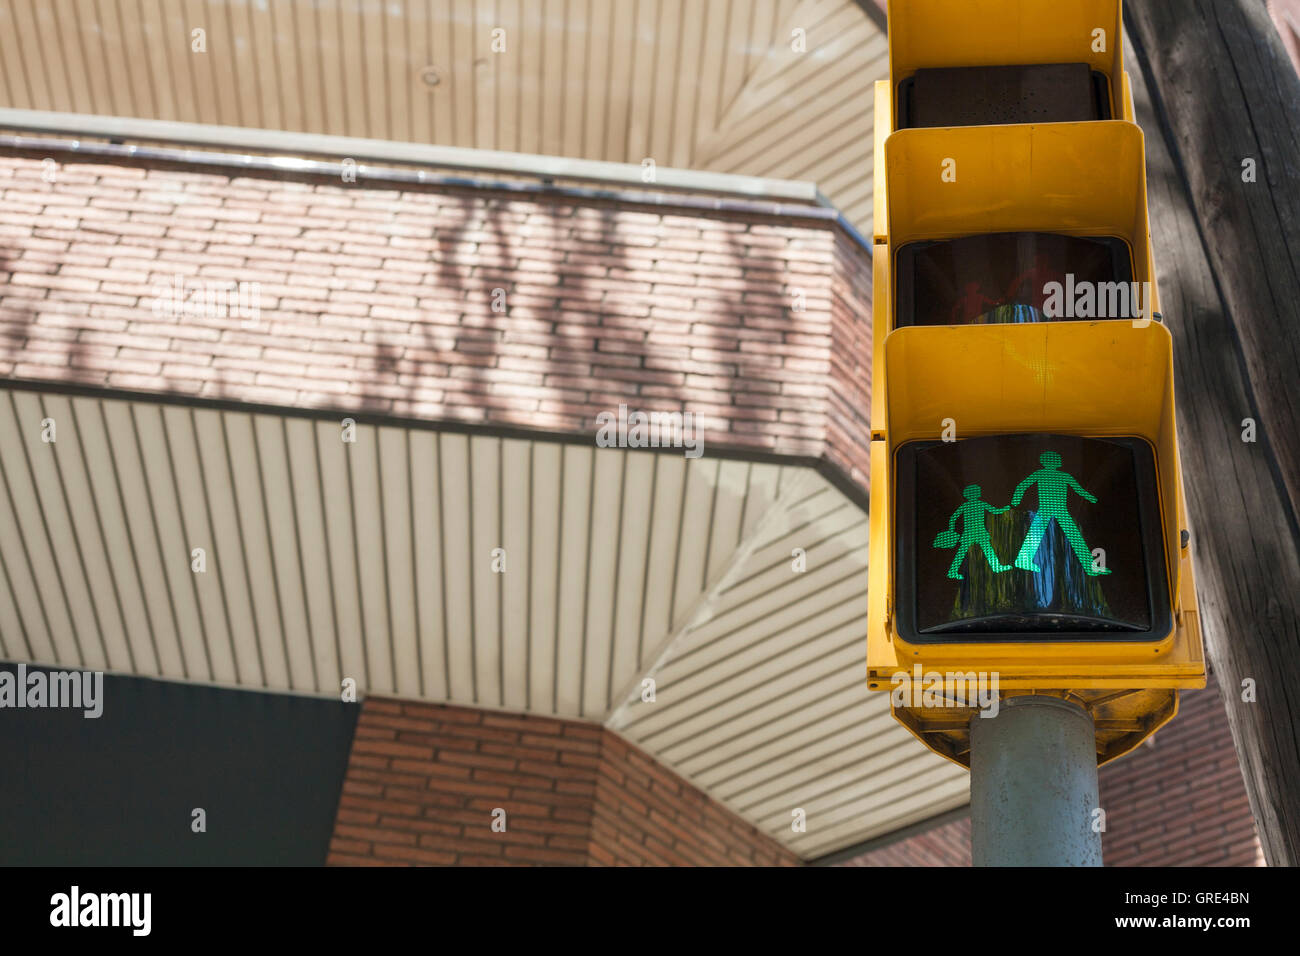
(1214, 88)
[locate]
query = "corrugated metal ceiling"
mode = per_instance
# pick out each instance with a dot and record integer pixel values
(695, 84)
(375, 560)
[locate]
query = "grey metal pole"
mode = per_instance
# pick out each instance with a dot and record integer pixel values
(1033, 785)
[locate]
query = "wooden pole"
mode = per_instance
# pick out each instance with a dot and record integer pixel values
(1220, 104)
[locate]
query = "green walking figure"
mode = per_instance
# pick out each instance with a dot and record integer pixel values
(973, 531)
(1053, 488)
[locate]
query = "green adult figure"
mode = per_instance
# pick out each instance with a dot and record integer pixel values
(973, 531)
(1053, 488)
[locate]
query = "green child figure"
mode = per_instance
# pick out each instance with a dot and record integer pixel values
(973, 531)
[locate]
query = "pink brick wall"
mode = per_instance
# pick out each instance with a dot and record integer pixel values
(380, 300)
(1286, 16)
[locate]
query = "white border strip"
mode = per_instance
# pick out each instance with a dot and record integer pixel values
(417, 154)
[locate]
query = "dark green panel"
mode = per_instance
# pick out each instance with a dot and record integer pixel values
(120, 789)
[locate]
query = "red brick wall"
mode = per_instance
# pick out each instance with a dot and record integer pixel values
(944, 845)
(645, 815)
(379, 299)
(1179, 801)
(423, 781)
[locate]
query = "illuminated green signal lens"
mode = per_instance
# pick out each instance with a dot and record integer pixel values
(1053, 487)
(1005, 527)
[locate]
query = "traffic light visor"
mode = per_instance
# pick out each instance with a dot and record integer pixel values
(1027, 204)
(939, 34)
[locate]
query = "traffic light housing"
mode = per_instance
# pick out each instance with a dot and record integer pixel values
(1027, 515)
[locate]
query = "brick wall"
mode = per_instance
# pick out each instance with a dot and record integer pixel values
(423, 781)
(945, 845)
(1286, 17)
(1177, 801)
(379, 299)
(646, 815)
(849, 410)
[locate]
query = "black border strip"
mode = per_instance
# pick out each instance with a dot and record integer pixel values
(855, 492)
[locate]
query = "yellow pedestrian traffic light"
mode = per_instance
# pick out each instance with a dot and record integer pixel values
(1040, 416)
(1027, 514)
